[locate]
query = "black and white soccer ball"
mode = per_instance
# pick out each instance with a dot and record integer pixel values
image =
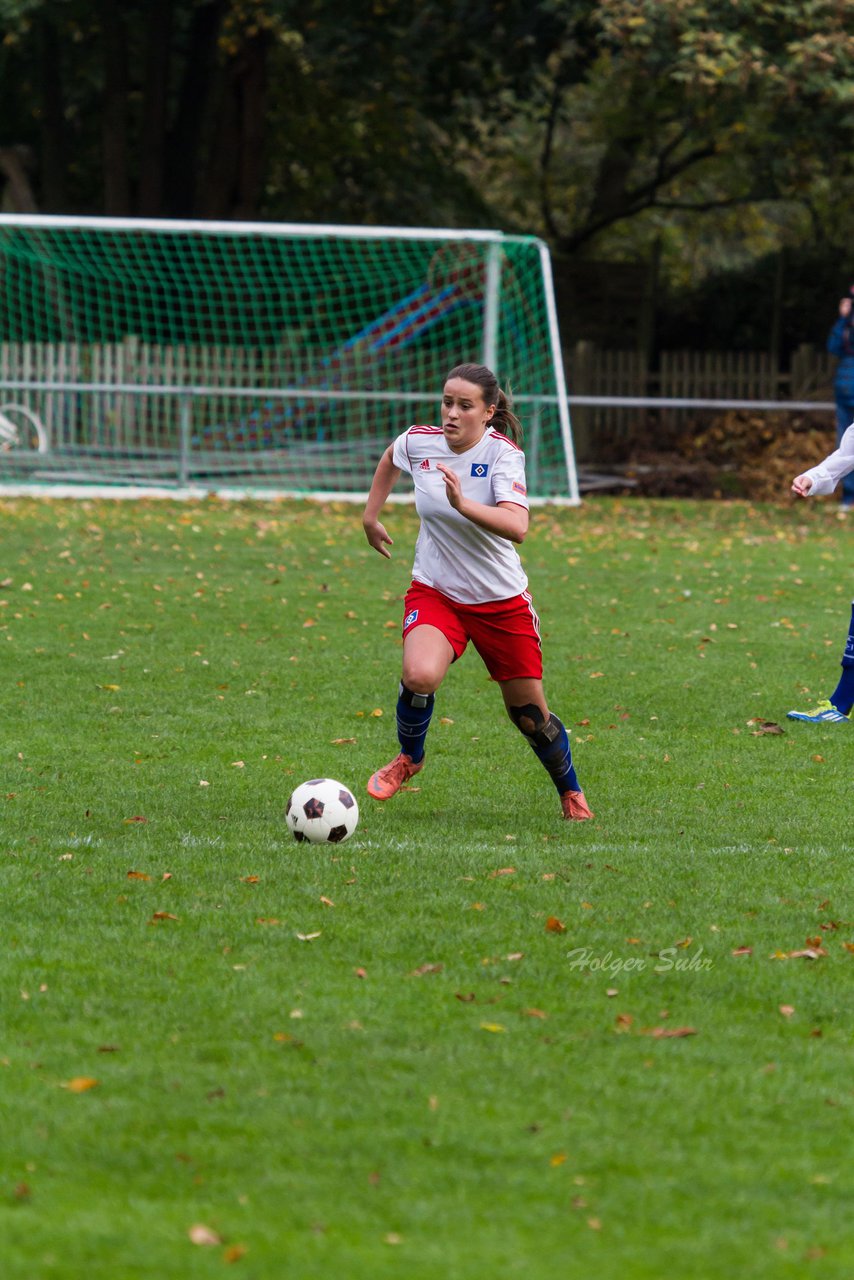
(323, 811)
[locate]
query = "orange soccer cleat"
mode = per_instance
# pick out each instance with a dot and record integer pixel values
(575, 806)
(387, 781)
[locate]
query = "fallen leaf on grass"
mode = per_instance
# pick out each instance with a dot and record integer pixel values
(553, 925)
(764, 727)
(250, 879)
(137, 875)
(327, 902)
(558, 1159)
(163, 915)
(234, 1253)
(668, 1033)
(425, 968)
(81, 1084)
(200, 1234)
(138, 818)
(494, 1027)
(308, 937)
(787, 1010)
(342, 742)
(465, 997)
(502, 871)
(534, 1013)
(742, 951)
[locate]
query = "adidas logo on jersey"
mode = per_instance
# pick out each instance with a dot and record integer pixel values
(425, 465)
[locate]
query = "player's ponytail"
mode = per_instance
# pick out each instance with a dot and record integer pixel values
(503, 419)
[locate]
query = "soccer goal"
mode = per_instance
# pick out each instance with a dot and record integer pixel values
(262, 356)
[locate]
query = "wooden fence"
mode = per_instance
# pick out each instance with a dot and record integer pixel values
(120, 420)
(684, 375)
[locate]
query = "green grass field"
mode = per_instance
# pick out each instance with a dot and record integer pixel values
(226, 1053)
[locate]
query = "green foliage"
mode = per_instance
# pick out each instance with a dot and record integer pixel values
(690, 123)
(437, 1084)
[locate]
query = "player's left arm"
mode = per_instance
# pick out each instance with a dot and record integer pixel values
(507, 519)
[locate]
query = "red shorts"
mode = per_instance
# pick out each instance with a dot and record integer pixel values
(506, 633)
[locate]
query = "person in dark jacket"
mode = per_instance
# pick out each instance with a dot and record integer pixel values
(840, 343)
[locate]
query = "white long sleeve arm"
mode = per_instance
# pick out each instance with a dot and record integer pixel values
(828, 473)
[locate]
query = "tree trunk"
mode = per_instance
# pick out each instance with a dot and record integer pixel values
(252, 89)
(114, 124)
(155, 102)
(54, 151)
(234, 173)
(185, 161)
(18, 196)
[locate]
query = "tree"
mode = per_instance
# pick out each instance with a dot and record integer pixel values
(688, 107)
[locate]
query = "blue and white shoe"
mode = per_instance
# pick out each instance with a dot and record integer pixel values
(824, 713)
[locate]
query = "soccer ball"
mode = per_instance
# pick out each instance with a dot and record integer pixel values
(323, 811)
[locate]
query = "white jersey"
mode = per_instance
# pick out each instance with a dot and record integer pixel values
(830, 471)
(453, 554)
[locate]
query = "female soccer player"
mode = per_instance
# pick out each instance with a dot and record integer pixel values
(468, 582)
(818, 482)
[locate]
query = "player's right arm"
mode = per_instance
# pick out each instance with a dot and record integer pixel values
(819, 481)
(385, 478)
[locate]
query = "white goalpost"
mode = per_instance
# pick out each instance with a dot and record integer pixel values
(260, 358)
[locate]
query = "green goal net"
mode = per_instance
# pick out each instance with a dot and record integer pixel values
(273, 357)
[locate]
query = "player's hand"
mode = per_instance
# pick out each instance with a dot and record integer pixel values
(845, 306)
(378, 537)
(453, 488)
(801, 486)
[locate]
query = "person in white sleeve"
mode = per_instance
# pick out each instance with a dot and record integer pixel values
(819, 482)
(467, 580)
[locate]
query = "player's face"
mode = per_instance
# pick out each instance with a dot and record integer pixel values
(464, 414)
